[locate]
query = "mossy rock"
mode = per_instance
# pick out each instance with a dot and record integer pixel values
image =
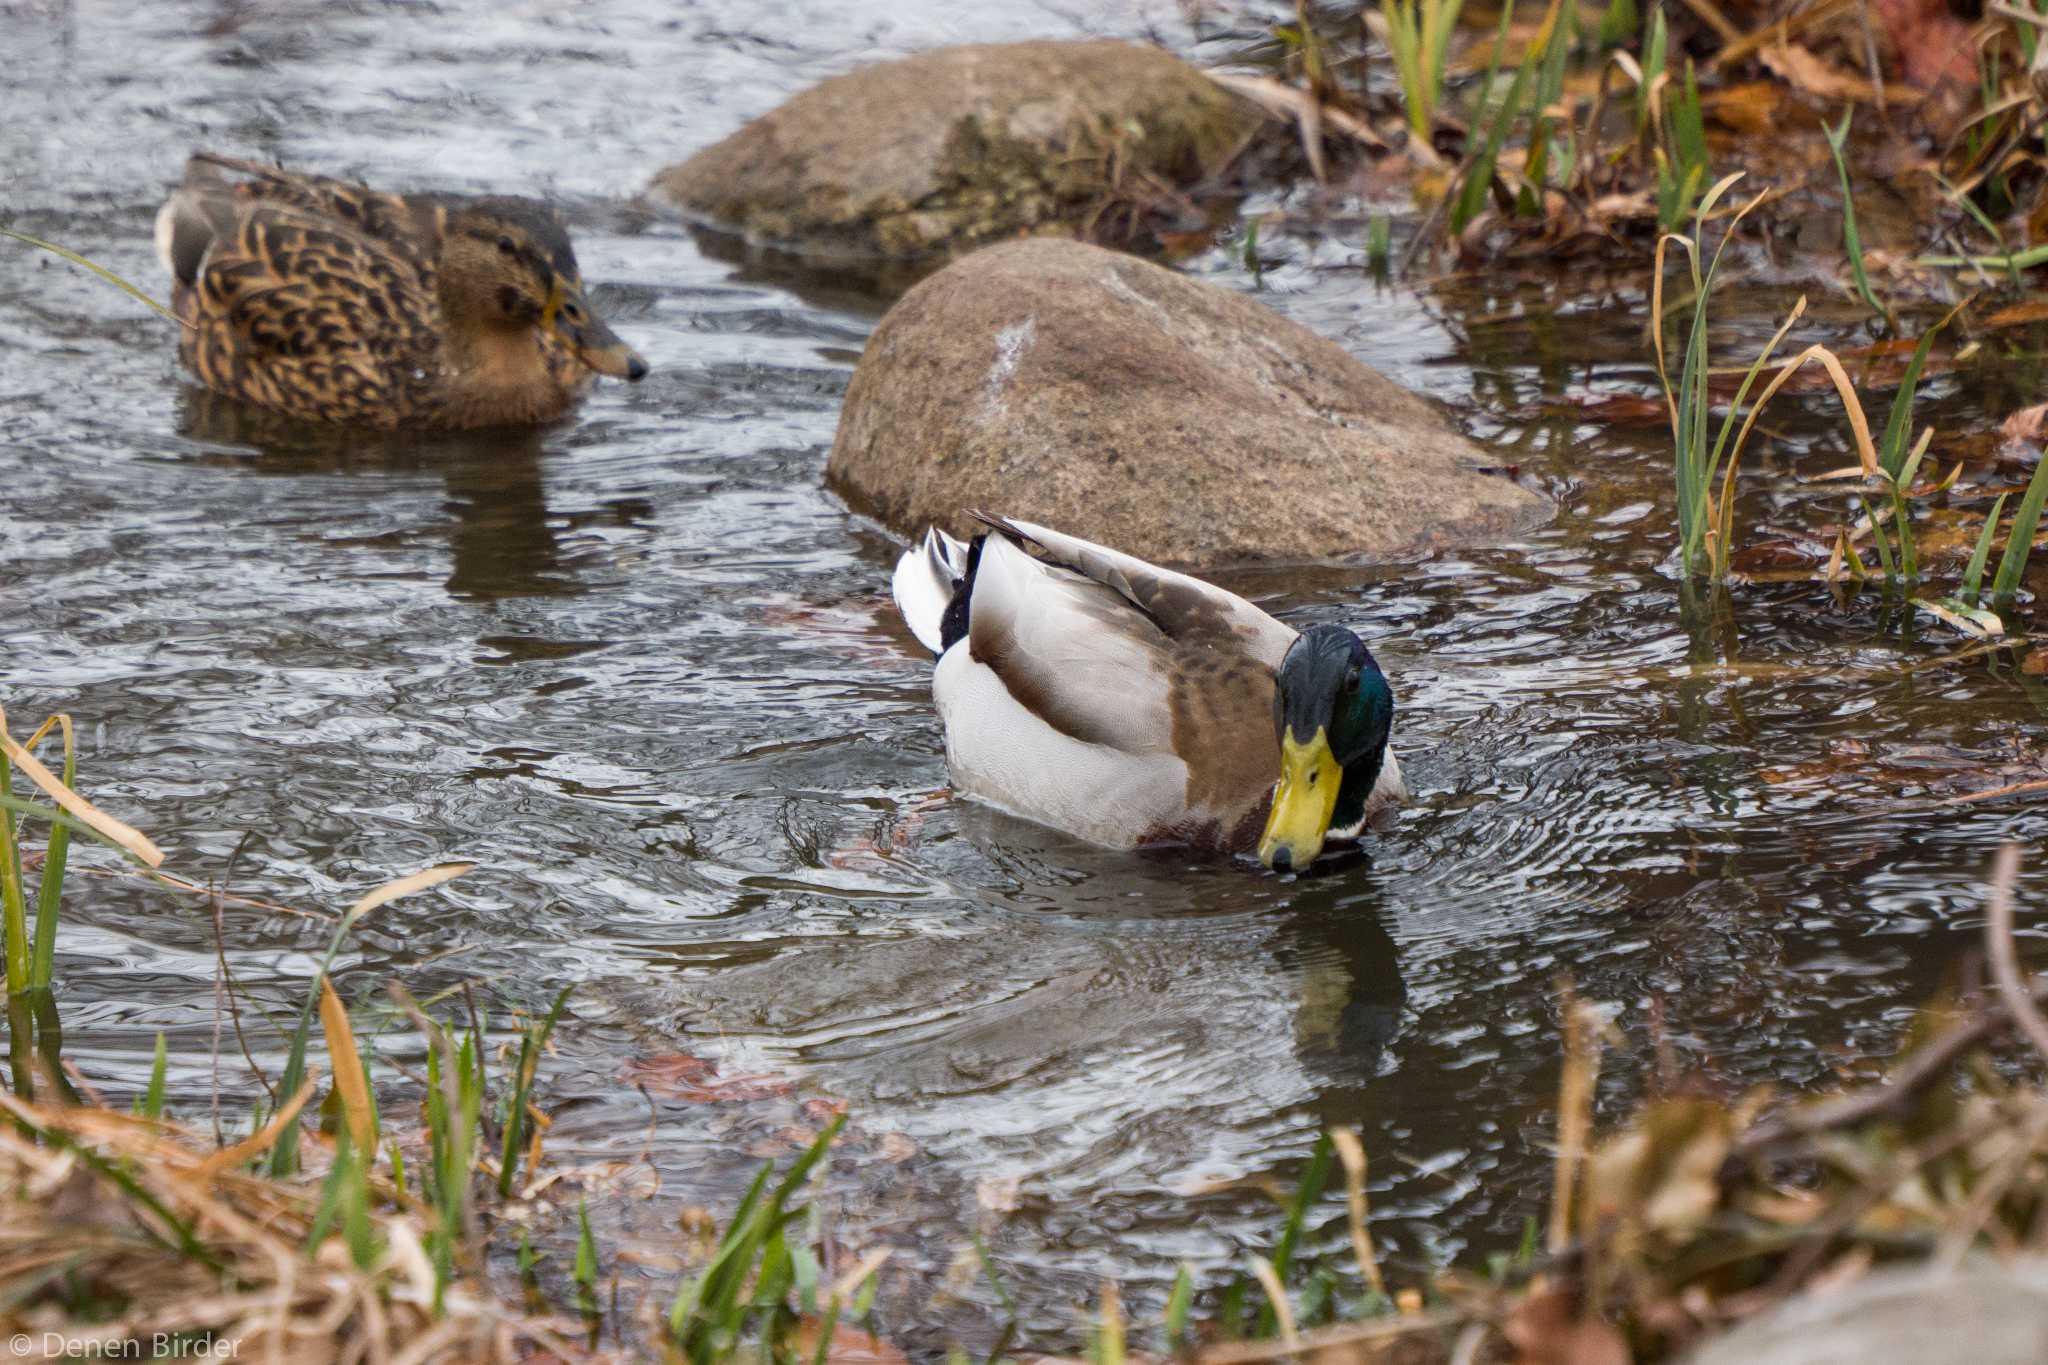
(919, 158)
(1177, 420)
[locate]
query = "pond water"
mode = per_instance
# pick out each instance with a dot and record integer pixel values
(642, 668)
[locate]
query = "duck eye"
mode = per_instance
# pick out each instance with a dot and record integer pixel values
(506, 246)
(1351, 679)
(572, 312)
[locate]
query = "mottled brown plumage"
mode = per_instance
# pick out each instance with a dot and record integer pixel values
(333, 302)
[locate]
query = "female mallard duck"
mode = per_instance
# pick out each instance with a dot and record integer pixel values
(327, 300)
(1130, 705)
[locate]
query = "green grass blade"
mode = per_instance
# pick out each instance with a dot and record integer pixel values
(2012, 565)
(709, 1314)
(1479, 176)
(800, 1170)
(1694, 478)
(1909, 550)
(530, 1048)
(585, 1269)
(1230, 1310)
(13, 907)
(1550, 80)
(50, 893)
(1654, 50)
(1180, 1301)
(153, 1098)
(1856, 564)
(1852, 240)
(284, 1157)
(1440, 21)
(1404, 46)
(988, 1269)
(1728, 423)
(1618, 23)
(2017, 261)
(1891, 450)
(1981, 218)
(1688, 124)
(825, 1331)
(1884, 547)
(690, 1297)
(1305, 1196)
(1973, 576)
(54, 815)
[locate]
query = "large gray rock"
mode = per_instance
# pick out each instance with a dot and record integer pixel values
(1980, 1313)
(914, 158)
(1177, 420)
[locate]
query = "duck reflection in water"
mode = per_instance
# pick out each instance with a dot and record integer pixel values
(1323, 936)
(504, 542)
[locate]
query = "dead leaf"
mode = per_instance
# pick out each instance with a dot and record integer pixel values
(849, 1346)
(128, 837)
(1815, 76)
(1778, 554)
(1846, 1270)
(1934, 47)
(349, 1081)
(1612, 409)
(1974, 622)
(2025, 425)
(694, 1080)
(1659, 1176)
(997, 1194)
(1546, 1329)
(2019, 314)
(1751, 107)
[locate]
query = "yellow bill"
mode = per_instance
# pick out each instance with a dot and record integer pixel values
(1302, 803)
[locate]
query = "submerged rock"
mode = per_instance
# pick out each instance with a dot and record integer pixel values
(1173, 419)
(944, 150)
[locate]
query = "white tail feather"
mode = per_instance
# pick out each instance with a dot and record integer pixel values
(923, 584)
(166, 233)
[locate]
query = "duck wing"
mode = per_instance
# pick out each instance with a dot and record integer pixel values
(409, 225)
(1075, 703)
(1185, 608)
(292, 309)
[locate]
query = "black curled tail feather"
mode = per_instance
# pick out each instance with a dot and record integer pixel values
(953, 625)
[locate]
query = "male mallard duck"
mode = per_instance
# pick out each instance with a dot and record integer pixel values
(327, 300)
(1130, 705)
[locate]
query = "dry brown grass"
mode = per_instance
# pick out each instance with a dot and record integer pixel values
(116, 1229)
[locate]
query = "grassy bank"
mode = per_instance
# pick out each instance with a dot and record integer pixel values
(1554, 131)
(331, 1229)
